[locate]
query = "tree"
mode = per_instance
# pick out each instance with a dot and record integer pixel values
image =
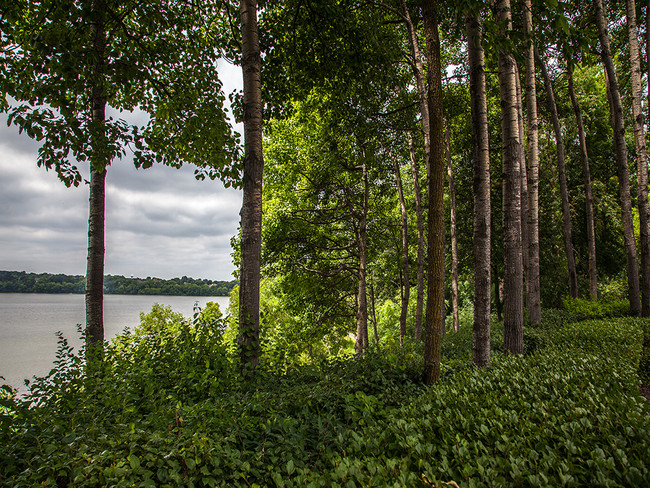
(589, 199)
(251, 213)
(533, 292)
(66, 63)
(436, 237)
(564, 193)
(482, 203)
(513, 317)
(618, 125)
(641, 157)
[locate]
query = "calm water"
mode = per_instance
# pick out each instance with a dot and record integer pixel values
(28, 323)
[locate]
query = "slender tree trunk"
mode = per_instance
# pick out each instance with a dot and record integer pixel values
(497, 293)
(533, 290)
(589, 199)
(418, 73)
(618, 125)
(251, 212)
(362, 311)
(641, 157)
(420, 230)
(454, 239)
(406, 285)
(564, 192)
(482, 199)
(436, 228)
(513, 319)
(97, 200)
(374, 315)
(420, 242)
(524, 178)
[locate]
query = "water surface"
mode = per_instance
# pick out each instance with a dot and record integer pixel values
(29, 321)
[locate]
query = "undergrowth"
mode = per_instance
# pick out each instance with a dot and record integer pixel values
(169, 409)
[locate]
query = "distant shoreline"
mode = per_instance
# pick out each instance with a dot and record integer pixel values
(23, 282)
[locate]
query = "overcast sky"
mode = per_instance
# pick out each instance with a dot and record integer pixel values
(160, 222)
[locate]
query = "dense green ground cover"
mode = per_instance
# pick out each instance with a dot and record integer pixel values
(168, 409)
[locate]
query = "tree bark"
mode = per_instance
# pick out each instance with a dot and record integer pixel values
(533, 290)
(97, 199)
(436, 224)
(524, 179)
(406, 285)
(589, 199)
(362, 310)
(641, 157)
(420, 252)
(618, 125)
(418, 73)
(482, 198)
(564, 192)
(251, 212)
(513, 318)
(454, 240)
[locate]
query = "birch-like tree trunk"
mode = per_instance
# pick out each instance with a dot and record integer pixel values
(589, 199)
(564, 192)
(513, 306)
(362, 301)
(641, 158)
(533, 290)
(618, 125)
(436, 225)
(524, 177)
(406, 285)
(420, 232)
(418, 73)
(482, 198)
(251, 212)
(97, 199)
(454, 239)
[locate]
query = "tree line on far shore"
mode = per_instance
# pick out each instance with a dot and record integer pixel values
(23, 282)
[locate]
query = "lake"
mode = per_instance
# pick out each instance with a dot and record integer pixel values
(29, 321)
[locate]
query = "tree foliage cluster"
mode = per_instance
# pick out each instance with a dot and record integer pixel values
(167, 408)
(22, 282)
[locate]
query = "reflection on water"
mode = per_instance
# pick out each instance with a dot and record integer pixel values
(28, 323)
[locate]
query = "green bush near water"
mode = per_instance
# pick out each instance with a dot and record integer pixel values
(169, 409)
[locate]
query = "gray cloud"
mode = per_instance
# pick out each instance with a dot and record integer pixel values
(159, 222)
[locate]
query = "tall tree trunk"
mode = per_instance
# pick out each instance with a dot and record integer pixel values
(524, 178)
(564, 192)
(533, 290)
(436, 227)
(251, 212)
(406, 285)
(641, 157)
(97, 199)
(374, 315)
(420, 251)
(482, 199)
(497, 293)
(618, 125)
(362, 311)
(513, 318)
(454, 239)
(589, 199)
(418, 73)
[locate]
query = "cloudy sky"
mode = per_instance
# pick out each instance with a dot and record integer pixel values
(159, 222)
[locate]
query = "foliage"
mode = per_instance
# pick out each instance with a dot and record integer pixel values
(22, 282)
(168, 409)
(582, 309)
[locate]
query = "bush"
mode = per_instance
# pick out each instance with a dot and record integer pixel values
(169, 409)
